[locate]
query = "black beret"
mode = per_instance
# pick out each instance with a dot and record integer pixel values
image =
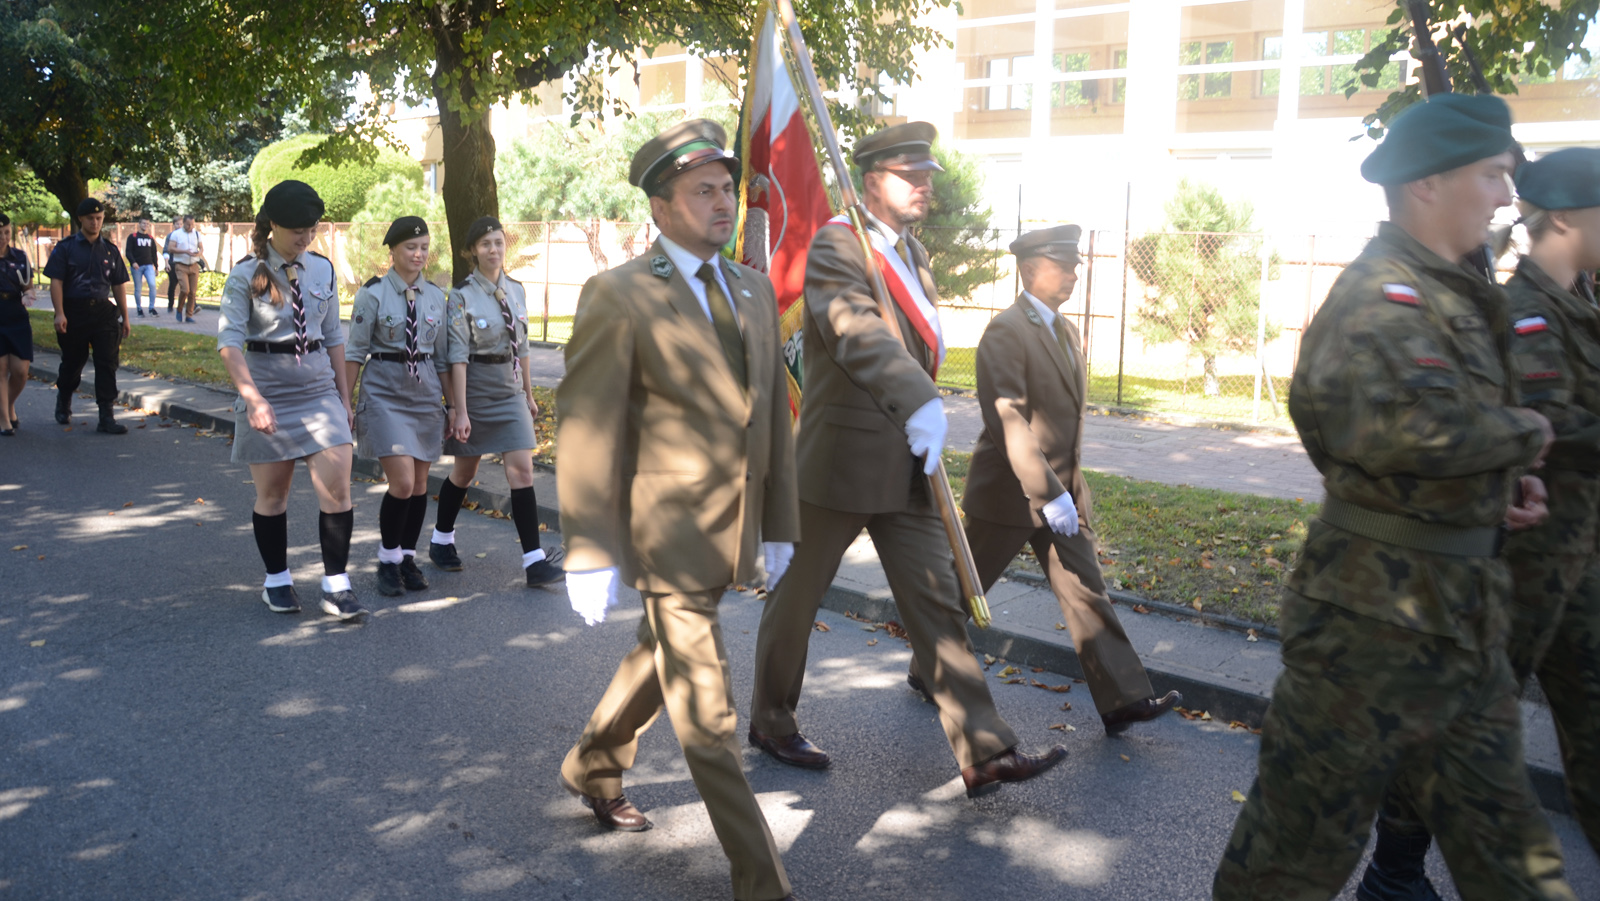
(1565, 180)
(1059, 244)
(908, 145)
(404, 229)
(4, 220)
(89, 206)
(482, 226)
(1444, 132)
(292, 204)
(687, 145)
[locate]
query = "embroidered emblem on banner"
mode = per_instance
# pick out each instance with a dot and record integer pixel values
(1530, 325)
(1401, 294)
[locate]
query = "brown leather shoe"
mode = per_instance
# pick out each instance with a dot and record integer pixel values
(920, 688)
(1139, 712)
(1008, 766)
(794, 750)
(617, 813)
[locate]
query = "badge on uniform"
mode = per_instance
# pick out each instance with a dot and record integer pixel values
(1401, 294)
(744, 292)
(1033, 316)
(360, 318)
(660, 266)
(1530, 325)
(388, 320)
(483, 323)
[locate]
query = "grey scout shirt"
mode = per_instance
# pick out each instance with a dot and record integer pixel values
(245, 318)
(481, 318)
(378, 323)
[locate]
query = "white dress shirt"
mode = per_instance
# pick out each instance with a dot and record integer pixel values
(1048, 317)
(884, 238)
(689, 265)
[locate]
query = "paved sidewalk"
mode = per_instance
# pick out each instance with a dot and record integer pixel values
(1219, 670)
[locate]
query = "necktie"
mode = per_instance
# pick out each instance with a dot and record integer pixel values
(900, 248)
(511, 326)
(727, 327)
(291, 272)
(411, 334)
(1060, 329)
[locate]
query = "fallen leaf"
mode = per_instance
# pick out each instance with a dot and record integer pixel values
(851, 614)
(1061, 627)
(894, 629)
(1038, 669)
(1125, 758)
(1016, 680)
(1037, 684)
(1237, 796)
(869, 628)
(1250, 635)
(988, 659)
(198, 523)
(41, 557)
(36, 644)
(1195, 604)
(111, 513)
(1140, 608)
(1008, 671)
(1204, 564)
(128, 504)
(1064, 727)
(20, 547)
(1067, 706)
(480, 556)
(821, 626)
(1273, 563)
(871, 642)
(1058, 689)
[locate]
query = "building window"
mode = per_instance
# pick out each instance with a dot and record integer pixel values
(1073, 93)
(1018, 95)
(1316, 80)
(996, 94)
(887, 102)
(1022, 94)
(1212, 84)
(1119, 86)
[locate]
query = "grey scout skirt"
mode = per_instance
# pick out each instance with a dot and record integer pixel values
(498, 412)
(396, 416)
(305, 401)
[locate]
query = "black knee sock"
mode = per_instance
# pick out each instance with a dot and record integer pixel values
(335, 529)
(525, 513)
(450, 498)
(416, 514)
(272, 540)
(392, 519)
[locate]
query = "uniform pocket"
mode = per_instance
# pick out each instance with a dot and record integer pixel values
(856, 418)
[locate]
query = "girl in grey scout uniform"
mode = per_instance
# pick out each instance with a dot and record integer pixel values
(400, 320)
(499, 402)
(282, 342)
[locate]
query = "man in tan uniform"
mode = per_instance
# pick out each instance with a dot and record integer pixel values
(871, 426)
(1025, 485)
(676, 469)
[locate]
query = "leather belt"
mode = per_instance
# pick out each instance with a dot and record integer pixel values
(1403, 531)
(397, 358)
(280, 347)
(489, 358)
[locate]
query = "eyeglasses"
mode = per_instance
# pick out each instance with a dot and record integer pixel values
(917, 178)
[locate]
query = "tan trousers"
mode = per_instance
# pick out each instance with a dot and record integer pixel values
(188, 278)
(916, 558)
(682, 664)
(1111, 666)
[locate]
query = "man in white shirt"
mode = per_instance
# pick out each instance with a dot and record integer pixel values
(184, 247)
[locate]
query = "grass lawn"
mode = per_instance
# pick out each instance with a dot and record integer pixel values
(159, 351)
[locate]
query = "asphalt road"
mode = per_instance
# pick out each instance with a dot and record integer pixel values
(163, 736)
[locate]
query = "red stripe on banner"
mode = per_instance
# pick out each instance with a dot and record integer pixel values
(1530, 329)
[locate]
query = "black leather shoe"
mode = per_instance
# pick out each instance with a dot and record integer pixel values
(1008, 766)
(1139, 712)
(281, 599)
(544, 572)
(920, 688)
(795, 750)
(1397, 871)
(444, 556)
(63, 407)
(389, 580)
(110, 426)
(617, 813)
(411, 576)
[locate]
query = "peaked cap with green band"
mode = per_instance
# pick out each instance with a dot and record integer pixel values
(1565, 180)
(687, 145)
(1444, 132)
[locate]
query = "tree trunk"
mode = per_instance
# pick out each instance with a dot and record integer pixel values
(1213, 384)
(69, 187)
(469, 187)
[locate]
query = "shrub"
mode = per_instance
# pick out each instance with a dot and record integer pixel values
(344, 189)
(389, 200)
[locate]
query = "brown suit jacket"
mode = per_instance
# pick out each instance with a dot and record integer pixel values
(1033, 405)
(668, 468)
(860, 384)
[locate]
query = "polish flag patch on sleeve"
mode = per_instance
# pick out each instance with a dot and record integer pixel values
(1530, 325)
(1401, 294)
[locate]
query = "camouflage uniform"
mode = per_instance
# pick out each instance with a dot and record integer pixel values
(1395, 671)
(1555, 617)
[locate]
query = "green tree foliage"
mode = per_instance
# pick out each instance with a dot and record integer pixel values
(1202, 277)
(344, 187)
(388, 200)
(23, 197)
(213, 191)
(961, 248)
(1510, 40)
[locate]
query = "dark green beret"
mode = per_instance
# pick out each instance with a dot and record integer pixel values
(1059, 244)
(89, 206)
(481, 226)
(908, 145)
(687, 145)
(1565, 180)
(1444, 132)
(292, 204)
(404, 229)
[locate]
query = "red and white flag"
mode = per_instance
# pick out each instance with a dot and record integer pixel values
(784, 198)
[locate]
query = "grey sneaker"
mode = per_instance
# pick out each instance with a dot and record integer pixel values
(281, 599)
(343, 604)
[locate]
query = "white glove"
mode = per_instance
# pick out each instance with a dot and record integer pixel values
(590, 593)
(778, 554)
(925, 432)
(1062, 515)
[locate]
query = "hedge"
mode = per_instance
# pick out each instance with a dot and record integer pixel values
(343, 188)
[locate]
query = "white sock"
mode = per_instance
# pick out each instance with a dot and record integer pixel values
(532, 557)
(332, 584)
(444, 537)
(388, 554)
(278, 580)
(408, 552)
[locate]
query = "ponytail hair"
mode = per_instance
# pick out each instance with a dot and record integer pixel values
(261, 282)
(1535, 220)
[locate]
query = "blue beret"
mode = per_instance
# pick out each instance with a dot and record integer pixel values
(1444, 132)
(1565, 180)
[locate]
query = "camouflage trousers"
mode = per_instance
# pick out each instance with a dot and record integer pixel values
(1362, 705)
(1555, 634)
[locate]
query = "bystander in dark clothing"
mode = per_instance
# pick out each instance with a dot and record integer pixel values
(85, 271)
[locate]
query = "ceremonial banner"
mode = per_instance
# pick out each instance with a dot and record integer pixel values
(781, 190)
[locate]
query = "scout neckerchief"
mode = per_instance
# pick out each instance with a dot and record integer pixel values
(291, 272)
(505, 312)
(905, 296)
(727, 327)
(411, 333)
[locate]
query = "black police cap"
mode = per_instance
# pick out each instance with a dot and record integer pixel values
(89, 206)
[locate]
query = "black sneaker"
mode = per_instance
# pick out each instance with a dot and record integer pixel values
(411, 576)
(544, 572)
(343, 605)
(389, 580)
(445, 557)
(141, 314)
(281, 599)
(154, 314)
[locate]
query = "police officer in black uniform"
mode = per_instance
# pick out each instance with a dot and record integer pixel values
(84, 271)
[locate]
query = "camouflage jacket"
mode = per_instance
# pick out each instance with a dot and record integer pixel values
(1555, 354)
(1402, 400)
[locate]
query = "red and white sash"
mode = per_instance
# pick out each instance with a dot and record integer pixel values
(907, 292)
